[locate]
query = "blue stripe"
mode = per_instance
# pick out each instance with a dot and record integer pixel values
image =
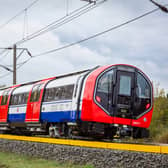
(58, 116)
(16, 117)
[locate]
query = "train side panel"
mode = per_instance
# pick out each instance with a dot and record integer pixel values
(58, 102)
(18, 104)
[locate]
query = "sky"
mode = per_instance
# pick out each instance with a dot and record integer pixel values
(142, 43)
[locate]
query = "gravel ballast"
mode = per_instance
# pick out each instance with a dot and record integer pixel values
(100, 158)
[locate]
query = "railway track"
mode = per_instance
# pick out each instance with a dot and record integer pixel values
(151, 148)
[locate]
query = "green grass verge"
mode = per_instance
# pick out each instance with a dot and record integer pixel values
(11, 160)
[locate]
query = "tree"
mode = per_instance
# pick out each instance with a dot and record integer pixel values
(162, 93)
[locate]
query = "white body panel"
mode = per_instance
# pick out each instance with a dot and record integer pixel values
(22, 89)
(64, 105)
(57, 106)
(62, 81)
(1, 92)
(17, 109)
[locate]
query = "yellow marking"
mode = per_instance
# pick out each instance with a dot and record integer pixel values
(146, 148)
(164, 149)
(92, 144)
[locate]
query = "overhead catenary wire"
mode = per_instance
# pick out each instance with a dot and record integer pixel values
(19, 13)
(91, 37)
(72, 15)
(3, 51)
(84, 8)
(66, 19)
(54, 23)
(97, 34)
(4, 54)
(22, 63)
(18, 64)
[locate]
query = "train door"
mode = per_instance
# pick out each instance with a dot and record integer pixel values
(33, 105)
(34, 102)
(123, 97)
(5, 98)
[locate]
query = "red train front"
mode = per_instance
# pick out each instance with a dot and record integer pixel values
(120, 96)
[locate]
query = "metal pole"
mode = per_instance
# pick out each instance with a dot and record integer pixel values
(14, 64)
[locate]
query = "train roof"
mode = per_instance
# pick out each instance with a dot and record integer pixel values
(56, 77)
(22, 89)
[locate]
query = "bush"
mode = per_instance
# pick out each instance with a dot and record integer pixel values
(159, 124)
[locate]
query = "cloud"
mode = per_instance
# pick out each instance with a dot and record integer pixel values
(142, 43)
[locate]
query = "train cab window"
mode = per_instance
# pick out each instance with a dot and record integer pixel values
(125, 85)
(143, 87)
(35, 95)
(5, 97)
(143, 95)
(104, 90)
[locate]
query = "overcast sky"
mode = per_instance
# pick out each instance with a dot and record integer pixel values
(142, 43)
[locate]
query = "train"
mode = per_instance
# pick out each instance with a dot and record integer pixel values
(103, 102)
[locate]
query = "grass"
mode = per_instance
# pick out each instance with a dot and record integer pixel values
(11, 160)
(162, 138)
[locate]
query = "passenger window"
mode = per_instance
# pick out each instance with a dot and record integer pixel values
(18, 99)
(5, 97)
(69, 91)
(104, 90)
(35, 95)
(13, 100)
(58, 93)
(25, 97)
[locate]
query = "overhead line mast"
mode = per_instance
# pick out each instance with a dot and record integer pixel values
(74, 14)
(14, 48)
